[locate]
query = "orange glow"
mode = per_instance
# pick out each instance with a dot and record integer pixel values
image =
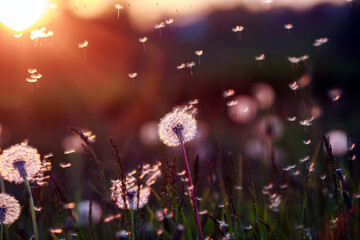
(22, 14)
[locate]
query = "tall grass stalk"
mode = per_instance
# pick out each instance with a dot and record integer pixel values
(32, 209)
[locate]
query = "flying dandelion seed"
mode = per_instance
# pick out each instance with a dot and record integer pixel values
(294, 62)
(267, 3)
(305, 123)
(238, 29)
(143, 40)
(19, 160)
(9, 209)
(65, 165)
(40, 33)
(160, 26)
(290, 167)
(199, 53)
(228, 93)
(32, 70)
(18, 36)
(53, 6)
(38, 209)
(305, 159)
(320, 41)
(69, 151)
(193, 101)
(118, 7)
(335, 94)
(83, 45)
(42, 177)
(190, 65)
(294, 86)
(203, 212)
(260, 58)
(169, 22)
(288, 27)
(132, 76)
(292, 118)
(307, 142)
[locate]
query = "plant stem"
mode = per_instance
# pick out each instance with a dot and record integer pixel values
(32, 209)
(2, 230)
(132, 224)
(192, 192)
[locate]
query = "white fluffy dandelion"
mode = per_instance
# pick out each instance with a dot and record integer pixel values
(176, 125)
(18, 160)
(9, 209)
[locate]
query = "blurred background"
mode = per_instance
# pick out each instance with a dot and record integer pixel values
(89, 86)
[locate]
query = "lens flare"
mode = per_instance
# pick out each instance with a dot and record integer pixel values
(22, 14)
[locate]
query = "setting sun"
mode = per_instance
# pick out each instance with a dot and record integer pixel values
(21, 14)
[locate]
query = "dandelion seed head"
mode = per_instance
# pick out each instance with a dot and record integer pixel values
(132, 189)
(9, 209)
(19, 158)
(176, 125)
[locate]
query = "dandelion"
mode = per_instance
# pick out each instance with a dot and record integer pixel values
(118, 7)
(132, 76)
(288, 27)
(238, 29)
(83, 45)
(260, 58)
(53, 6)
(160, 26)
(190, 65)
(143, 40)
(9, 209)
(176, 128)
(20, 163)
(169, 22)
(199, 53)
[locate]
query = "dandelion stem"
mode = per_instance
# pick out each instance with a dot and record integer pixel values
(32, 209)
(132, 224)
(2, 230)
(191, 188)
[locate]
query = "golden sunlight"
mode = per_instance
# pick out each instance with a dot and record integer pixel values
(21, 14)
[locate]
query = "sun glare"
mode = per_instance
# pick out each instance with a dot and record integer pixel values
(21, 14)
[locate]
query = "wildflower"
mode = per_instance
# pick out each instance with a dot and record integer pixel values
(9, 209)
(177, 126)
(19, 160)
